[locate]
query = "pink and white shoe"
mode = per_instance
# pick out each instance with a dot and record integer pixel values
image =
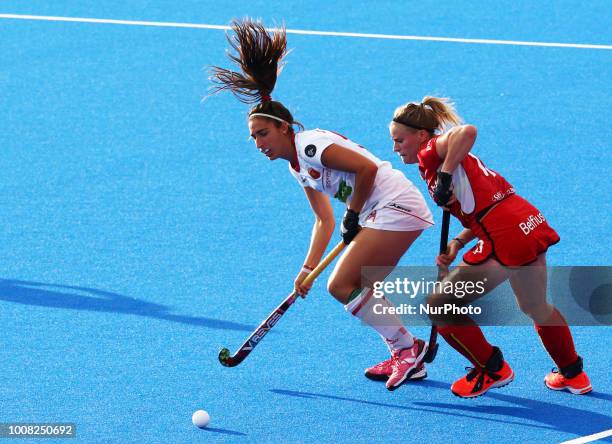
(380, 371)
(384, 369)
(406, 363)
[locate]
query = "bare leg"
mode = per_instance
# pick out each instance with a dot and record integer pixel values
(529, 285)
(370, 248)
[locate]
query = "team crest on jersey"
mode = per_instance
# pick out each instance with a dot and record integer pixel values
(310, 150)
(314, 173)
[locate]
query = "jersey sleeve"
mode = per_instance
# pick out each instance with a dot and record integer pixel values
(311, 148)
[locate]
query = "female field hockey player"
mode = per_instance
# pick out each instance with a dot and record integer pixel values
(385, 212)
(511, 234)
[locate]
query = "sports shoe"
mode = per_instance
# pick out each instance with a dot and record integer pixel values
(496, 373)
(578, 385)
(382, 371)
(406, 362)
(420, 373)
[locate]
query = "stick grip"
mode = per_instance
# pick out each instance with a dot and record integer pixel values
(324, 263)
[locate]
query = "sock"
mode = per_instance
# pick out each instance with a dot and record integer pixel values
(469, 341)
(389, 326)
(557, 340)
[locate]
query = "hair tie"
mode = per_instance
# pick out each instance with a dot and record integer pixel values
(266, 98)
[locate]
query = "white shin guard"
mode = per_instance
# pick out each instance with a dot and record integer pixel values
(389, 326)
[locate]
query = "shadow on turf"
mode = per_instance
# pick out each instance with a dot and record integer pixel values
(91, 299)
(551, 416)
(224, 431)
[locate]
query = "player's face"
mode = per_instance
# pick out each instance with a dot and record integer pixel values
(271, 140)
(406, 142)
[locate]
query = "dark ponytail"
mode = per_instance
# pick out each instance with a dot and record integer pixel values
(259, 56)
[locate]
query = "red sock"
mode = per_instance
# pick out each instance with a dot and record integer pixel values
(557, 340)
(469, 341)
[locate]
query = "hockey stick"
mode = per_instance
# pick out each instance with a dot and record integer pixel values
(442, 271)
(245, 349)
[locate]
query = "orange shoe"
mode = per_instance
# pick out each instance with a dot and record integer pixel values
(578, 385)
(479, 379)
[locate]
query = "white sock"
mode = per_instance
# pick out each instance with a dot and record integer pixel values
(389, 326)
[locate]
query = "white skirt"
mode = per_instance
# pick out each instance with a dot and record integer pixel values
(407, 212)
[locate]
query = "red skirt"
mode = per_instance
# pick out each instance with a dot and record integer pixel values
(514, 232)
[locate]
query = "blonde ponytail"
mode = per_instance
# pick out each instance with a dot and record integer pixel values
(432, 114)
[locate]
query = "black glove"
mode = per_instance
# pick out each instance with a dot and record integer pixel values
(442, 191)
(350, 226)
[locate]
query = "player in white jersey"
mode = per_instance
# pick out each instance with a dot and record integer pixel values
(391, 197)
(385, 211)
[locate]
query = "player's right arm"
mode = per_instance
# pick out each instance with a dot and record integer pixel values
(322, 231)
(452, 147)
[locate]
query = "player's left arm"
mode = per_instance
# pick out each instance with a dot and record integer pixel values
(455, 145)
(342, 159)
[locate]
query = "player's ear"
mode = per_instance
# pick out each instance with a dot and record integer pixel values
(285, 128)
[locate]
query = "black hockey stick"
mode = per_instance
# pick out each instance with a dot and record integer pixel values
(442, 271)
(245, 349)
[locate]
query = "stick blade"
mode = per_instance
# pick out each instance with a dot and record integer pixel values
(225, 358)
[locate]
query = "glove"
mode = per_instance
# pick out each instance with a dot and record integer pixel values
(442, 191)
(350, 226)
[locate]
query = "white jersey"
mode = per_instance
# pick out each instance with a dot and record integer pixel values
(389, 184)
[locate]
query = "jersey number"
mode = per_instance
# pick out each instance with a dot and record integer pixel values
(484, 169)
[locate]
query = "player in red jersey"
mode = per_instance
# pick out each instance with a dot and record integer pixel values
(511, 234)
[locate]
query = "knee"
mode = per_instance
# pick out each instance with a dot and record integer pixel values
(539, 313)
(339, 290)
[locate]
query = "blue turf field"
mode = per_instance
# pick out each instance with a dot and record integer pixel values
(142, 231)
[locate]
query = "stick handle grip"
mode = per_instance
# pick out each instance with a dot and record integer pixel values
(324, 263)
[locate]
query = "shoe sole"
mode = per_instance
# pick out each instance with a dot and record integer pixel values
(409, 374)
(375, 377)
(417, 376)
(582, 391)
(498, 384)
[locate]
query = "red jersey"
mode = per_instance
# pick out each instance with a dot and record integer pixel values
(515, 232)
(475, 186)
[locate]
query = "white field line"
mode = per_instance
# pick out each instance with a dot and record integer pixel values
(590, 438)
(304, 32)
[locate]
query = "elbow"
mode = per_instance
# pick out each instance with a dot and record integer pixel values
(470, 132)
(370, 170)
(326, 223)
